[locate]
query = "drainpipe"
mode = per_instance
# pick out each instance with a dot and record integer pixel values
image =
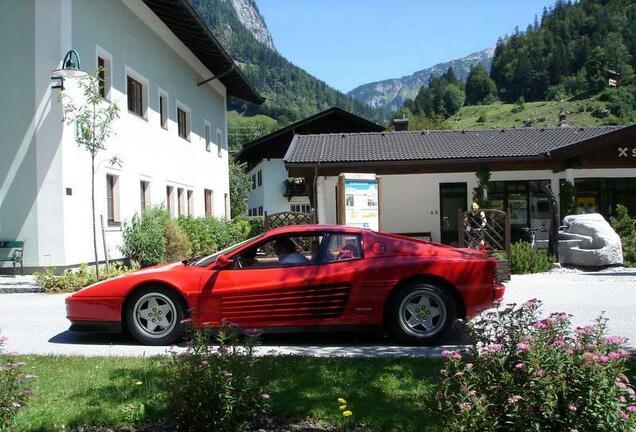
(315, 185)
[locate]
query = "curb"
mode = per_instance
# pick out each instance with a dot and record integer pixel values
(21, 290)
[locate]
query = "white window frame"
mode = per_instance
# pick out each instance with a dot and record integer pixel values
(207, 140)
(116, 221)
(163, 94)
(170, 201)
(146, 193)
(108, 69)
(130, 72)
(190, 202)
(186, 109)
(220, 145)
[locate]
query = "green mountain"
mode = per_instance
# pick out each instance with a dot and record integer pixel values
(575, 47)
(291, 92)
(391, 93)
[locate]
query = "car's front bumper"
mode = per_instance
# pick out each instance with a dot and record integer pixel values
(91, 313)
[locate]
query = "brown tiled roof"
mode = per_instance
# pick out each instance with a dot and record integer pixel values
(437, 144)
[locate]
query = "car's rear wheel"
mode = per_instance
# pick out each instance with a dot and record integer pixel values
(421, 313)
(154, 315)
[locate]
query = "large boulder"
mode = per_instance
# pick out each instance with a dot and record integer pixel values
(589, 241)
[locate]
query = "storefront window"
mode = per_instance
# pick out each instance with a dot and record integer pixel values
(602, 195)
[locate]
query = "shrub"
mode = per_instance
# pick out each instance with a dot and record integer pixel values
(14, 388)
(144, 239)
(177, 243)
(73, 280)
(200, 237)
(216, 387)
(620, 102)
(625, 227)
(525, 259)
(522, 373)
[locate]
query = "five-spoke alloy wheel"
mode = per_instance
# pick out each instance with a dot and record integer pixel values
(420, 313)
(154, 315)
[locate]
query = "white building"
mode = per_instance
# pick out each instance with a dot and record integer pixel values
(171, 136)
(427, 177)
(272, 190)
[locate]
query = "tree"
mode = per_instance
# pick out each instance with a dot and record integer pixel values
(479, 86)
(240, 187)
(453, 99)
(93, 119)
(596, 68)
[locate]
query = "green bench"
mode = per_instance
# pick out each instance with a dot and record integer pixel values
(11, 251)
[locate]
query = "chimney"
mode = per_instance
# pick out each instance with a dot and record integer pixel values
(563, 121)
(401, 124)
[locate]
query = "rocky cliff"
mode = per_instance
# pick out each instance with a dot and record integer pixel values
(253, 21)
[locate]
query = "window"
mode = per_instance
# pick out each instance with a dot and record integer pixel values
(226, 201)
(163, 109)
(169, 199)
(253, 181)
(180, 202)
(343, 247)
(183, 123)
(207, 136)
(249, 212)
(259, 178)
(260, 211)
(209, 211)
(104, 73)
(282, 251)
(135, 97)
(219, 141)
(144, 189)
(190, 204)
(301, 208)
(112, 199)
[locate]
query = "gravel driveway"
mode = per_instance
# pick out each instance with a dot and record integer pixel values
(36, 323)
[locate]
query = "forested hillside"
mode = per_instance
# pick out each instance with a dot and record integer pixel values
(577, 58)
(291, 93)
(572, 46)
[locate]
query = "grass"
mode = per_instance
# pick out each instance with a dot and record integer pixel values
(387, 394)
(541, 114)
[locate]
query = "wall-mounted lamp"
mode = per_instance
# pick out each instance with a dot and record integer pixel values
(70, 69)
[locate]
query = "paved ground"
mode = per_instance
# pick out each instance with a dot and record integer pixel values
(35, 323)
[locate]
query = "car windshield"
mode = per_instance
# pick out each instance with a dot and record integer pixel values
(209, 259)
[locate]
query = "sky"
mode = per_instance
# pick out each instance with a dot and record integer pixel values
(347, 43)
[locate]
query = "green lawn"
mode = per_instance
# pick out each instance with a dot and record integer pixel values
(541, 114)
(388, 394)
(384, 393)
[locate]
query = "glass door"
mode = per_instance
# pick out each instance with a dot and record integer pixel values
(453, 200)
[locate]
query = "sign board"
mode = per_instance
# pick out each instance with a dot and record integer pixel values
(627, 152)
(359, 201)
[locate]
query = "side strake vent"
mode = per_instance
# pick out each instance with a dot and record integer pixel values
(327, 301)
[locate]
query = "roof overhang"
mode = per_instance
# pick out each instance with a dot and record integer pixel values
(182, 20)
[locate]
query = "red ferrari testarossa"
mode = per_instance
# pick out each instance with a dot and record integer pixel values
(304, 277)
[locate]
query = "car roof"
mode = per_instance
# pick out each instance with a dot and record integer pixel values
(313, 227)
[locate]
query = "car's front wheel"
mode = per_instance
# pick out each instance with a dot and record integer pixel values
(421, 313)
(154, 316)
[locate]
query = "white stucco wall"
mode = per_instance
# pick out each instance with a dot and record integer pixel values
(411, 202)
(270, 194)
(57, 227)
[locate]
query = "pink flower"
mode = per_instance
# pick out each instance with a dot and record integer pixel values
(631, 408)
(613, 355)
(469, 366)
(570, 351)
(524, 347)
(520, 366)
(623, 415)
(615, 340)
(603, 359)
(514, 399)
(542, 324)
(226, 373)
(558, 343)
(458, 374)
(455, 355)
(539, 373)
(222, 350)
(204, 362)
(465, 406)
(491, 349)
(530, 303)
(265, 396)
(572, 407)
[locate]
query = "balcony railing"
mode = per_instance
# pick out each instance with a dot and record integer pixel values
(295, 187)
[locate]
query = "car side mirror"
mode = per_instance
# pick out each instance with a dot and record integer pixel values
(223, 262)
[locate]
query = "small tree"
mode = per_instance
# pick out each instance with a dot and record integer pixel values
(240, 187)
(479, 192)
(93, 119)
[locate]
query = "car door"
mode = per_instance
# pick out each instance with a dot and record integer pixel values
(338, 277)
(259, 290)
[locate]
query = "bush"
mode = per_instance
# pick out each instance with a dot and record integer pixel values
(177, 243)
(625, 227)
(620, 102)
(144, 239)
(200, 237)
(216, 387)
(525, 259)
(73, 280)
(522, 373)
(14, 388)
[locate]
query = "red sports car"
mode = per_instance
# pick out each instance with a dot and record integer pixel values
(298, 277)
